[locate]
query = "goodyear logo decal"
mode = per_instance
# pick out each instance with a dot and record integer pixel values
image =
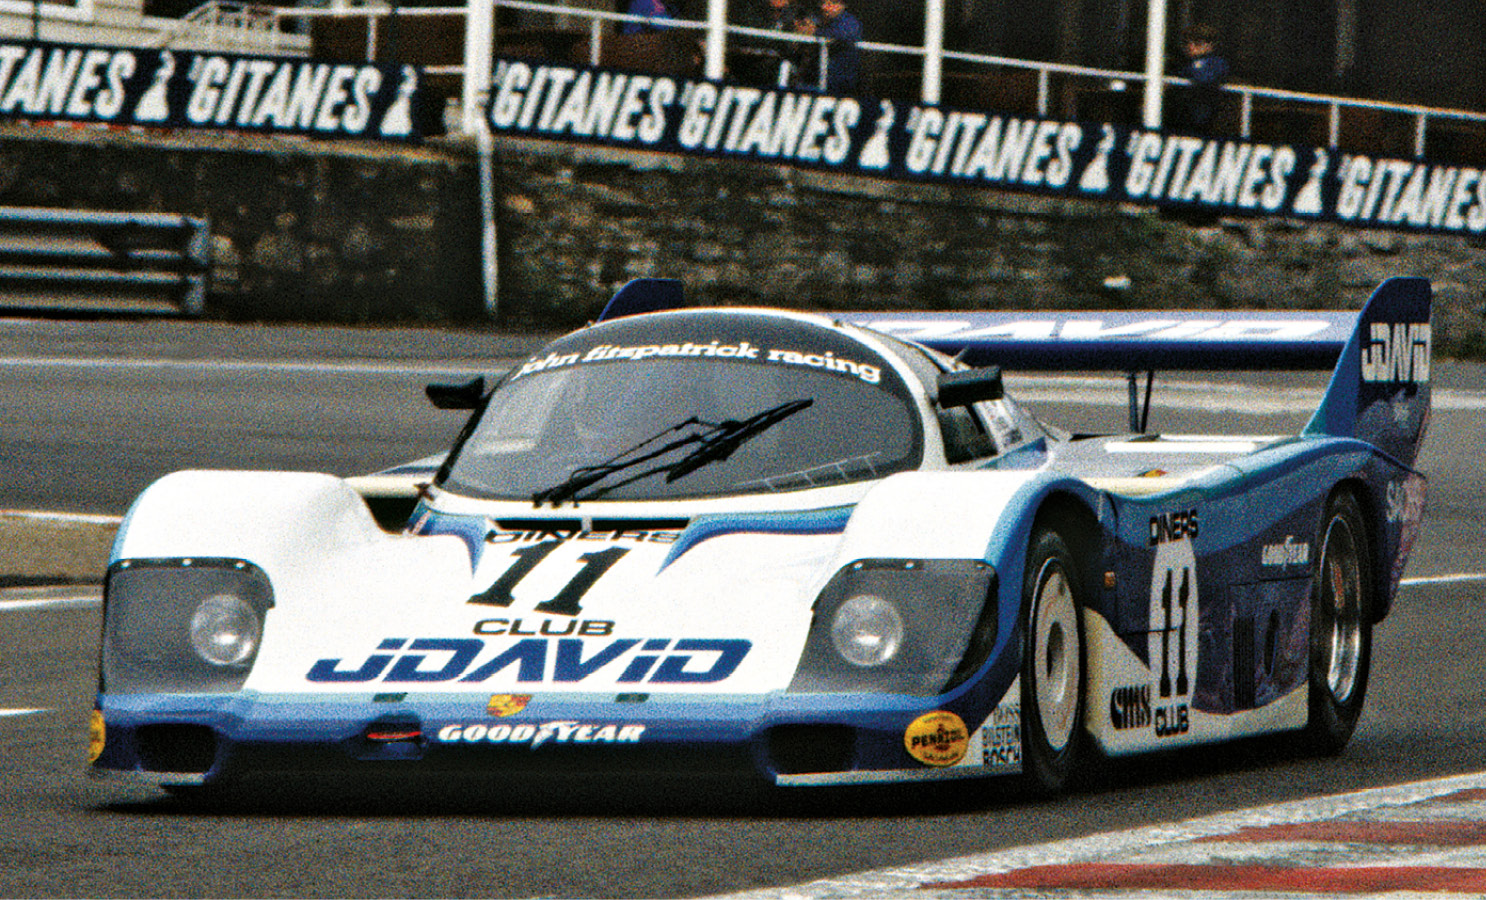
(535, 735)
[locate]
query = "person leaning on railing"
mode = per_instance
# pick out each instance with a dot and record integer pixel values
(655, 12)
(842, 31)
(766, 62)
(1207, 71)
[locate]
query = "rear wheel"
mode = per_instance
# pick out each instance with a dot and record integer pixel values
(1341, 627)
(1053, 665)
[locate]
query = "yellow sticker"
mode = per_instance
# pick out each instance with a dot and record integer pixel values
(96, 733)
(937, 738)
(502, 705)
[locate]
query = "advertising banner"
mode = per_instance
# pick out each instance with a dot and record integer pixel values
(197, 89)
(896, 140)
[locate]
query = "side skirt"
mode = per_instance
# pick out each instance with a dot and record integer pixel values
(1128, 714)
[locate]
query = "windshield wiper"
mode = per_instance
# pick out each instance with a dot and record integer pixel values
(717, 441)
(584, 476)
(729, 436)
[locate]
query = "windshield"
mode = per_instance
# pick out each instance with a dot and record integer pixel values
(689, 405)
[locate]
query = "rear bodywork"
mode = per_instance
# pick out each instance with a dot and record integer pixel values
(693, 633)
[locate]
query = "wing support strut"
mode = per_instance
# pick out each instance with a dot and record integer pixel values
(1140, 411)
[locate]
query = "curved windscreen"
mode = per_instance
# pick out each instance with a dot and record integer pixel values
(689, 405)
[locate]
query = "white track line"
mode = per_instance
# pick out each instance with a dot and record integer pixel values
(87, 597)
(35, 603)
(906, 880)
(1463, 578)
(45, 516)
(1200, 395)
(359, 367)
(84, 602)
(1092, 390)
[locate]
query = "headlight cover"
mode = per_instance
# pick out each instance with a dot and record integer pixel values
(182, 625)
(225, 630)
(906, 626)
(867, 630)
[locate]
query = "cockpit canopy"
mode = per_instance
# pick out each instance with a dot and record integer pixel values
(690, 404)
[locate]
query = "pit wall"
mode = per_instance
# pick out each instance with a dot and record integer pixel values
(317, 232)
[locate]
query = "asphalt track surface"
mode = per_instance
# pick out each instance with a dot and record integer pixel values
(91, 412)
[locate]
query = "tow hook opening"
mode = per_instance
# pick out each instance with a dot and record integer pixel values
(383, 735)
(391, 737)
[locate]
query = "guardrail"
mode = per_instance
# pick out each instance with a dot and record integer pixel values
(115, 262)
(972, 80)
(229, 25)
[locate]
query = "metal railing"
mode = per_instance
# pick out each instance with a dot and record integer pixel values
(90, 261)
(374, 15)
(248, 17)
(227, 24)
(1334, 107)
(1057, 87)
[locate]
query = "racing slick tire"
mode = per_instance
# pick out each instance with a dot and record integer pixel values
(1054, 665)
(1341, 627)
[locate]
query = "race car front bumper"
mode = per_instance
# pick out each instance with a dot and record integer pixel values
(782, 739)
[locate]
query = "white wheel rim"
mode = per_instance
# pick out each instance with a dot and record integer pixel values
(1056, 666)
(1341, 597)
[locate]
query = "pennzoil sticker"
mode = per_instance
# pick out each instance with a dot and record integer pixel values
(97, 736)
(937, 739)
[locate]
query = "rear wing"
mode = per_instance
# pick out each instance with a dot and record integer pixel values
(1379, 390)
(1127, 341)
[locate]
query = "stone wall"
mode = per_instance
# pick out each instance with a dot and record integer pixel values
(301, 231)
(308, 231)
(574, 224)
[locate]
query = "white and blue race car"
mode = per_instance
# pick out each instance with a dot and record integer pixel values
(818, 549)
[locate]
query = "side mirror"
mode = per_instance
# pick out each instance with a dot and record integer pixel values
(969, 386)
(456, 396)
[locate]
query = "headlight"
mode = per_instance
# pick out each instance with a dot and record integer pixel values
(906, 626)
(182, 625)
(867, 630)
(225, 630)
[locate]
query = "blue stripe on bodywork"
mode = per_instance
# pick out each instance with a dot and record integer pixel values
(815, 521)
(470, 529)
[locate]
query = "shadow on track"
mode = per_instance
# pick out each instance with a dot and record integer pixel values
(500, 794)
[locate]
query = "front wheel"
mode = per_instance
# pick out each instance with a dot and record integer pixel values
(1341, 627)
(1053, 665)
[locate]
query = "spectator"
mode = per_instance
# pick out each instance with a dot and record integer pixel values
(656, 13)
(842, 31)
(1206, 71)
(765, 62)
(770, 15)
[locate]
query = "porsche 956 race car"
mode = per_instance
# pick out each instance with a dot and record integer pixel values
(820, 549)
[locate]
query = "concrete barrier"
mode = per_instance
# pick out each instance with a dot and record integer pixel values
(39, 548)
(90, 261)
